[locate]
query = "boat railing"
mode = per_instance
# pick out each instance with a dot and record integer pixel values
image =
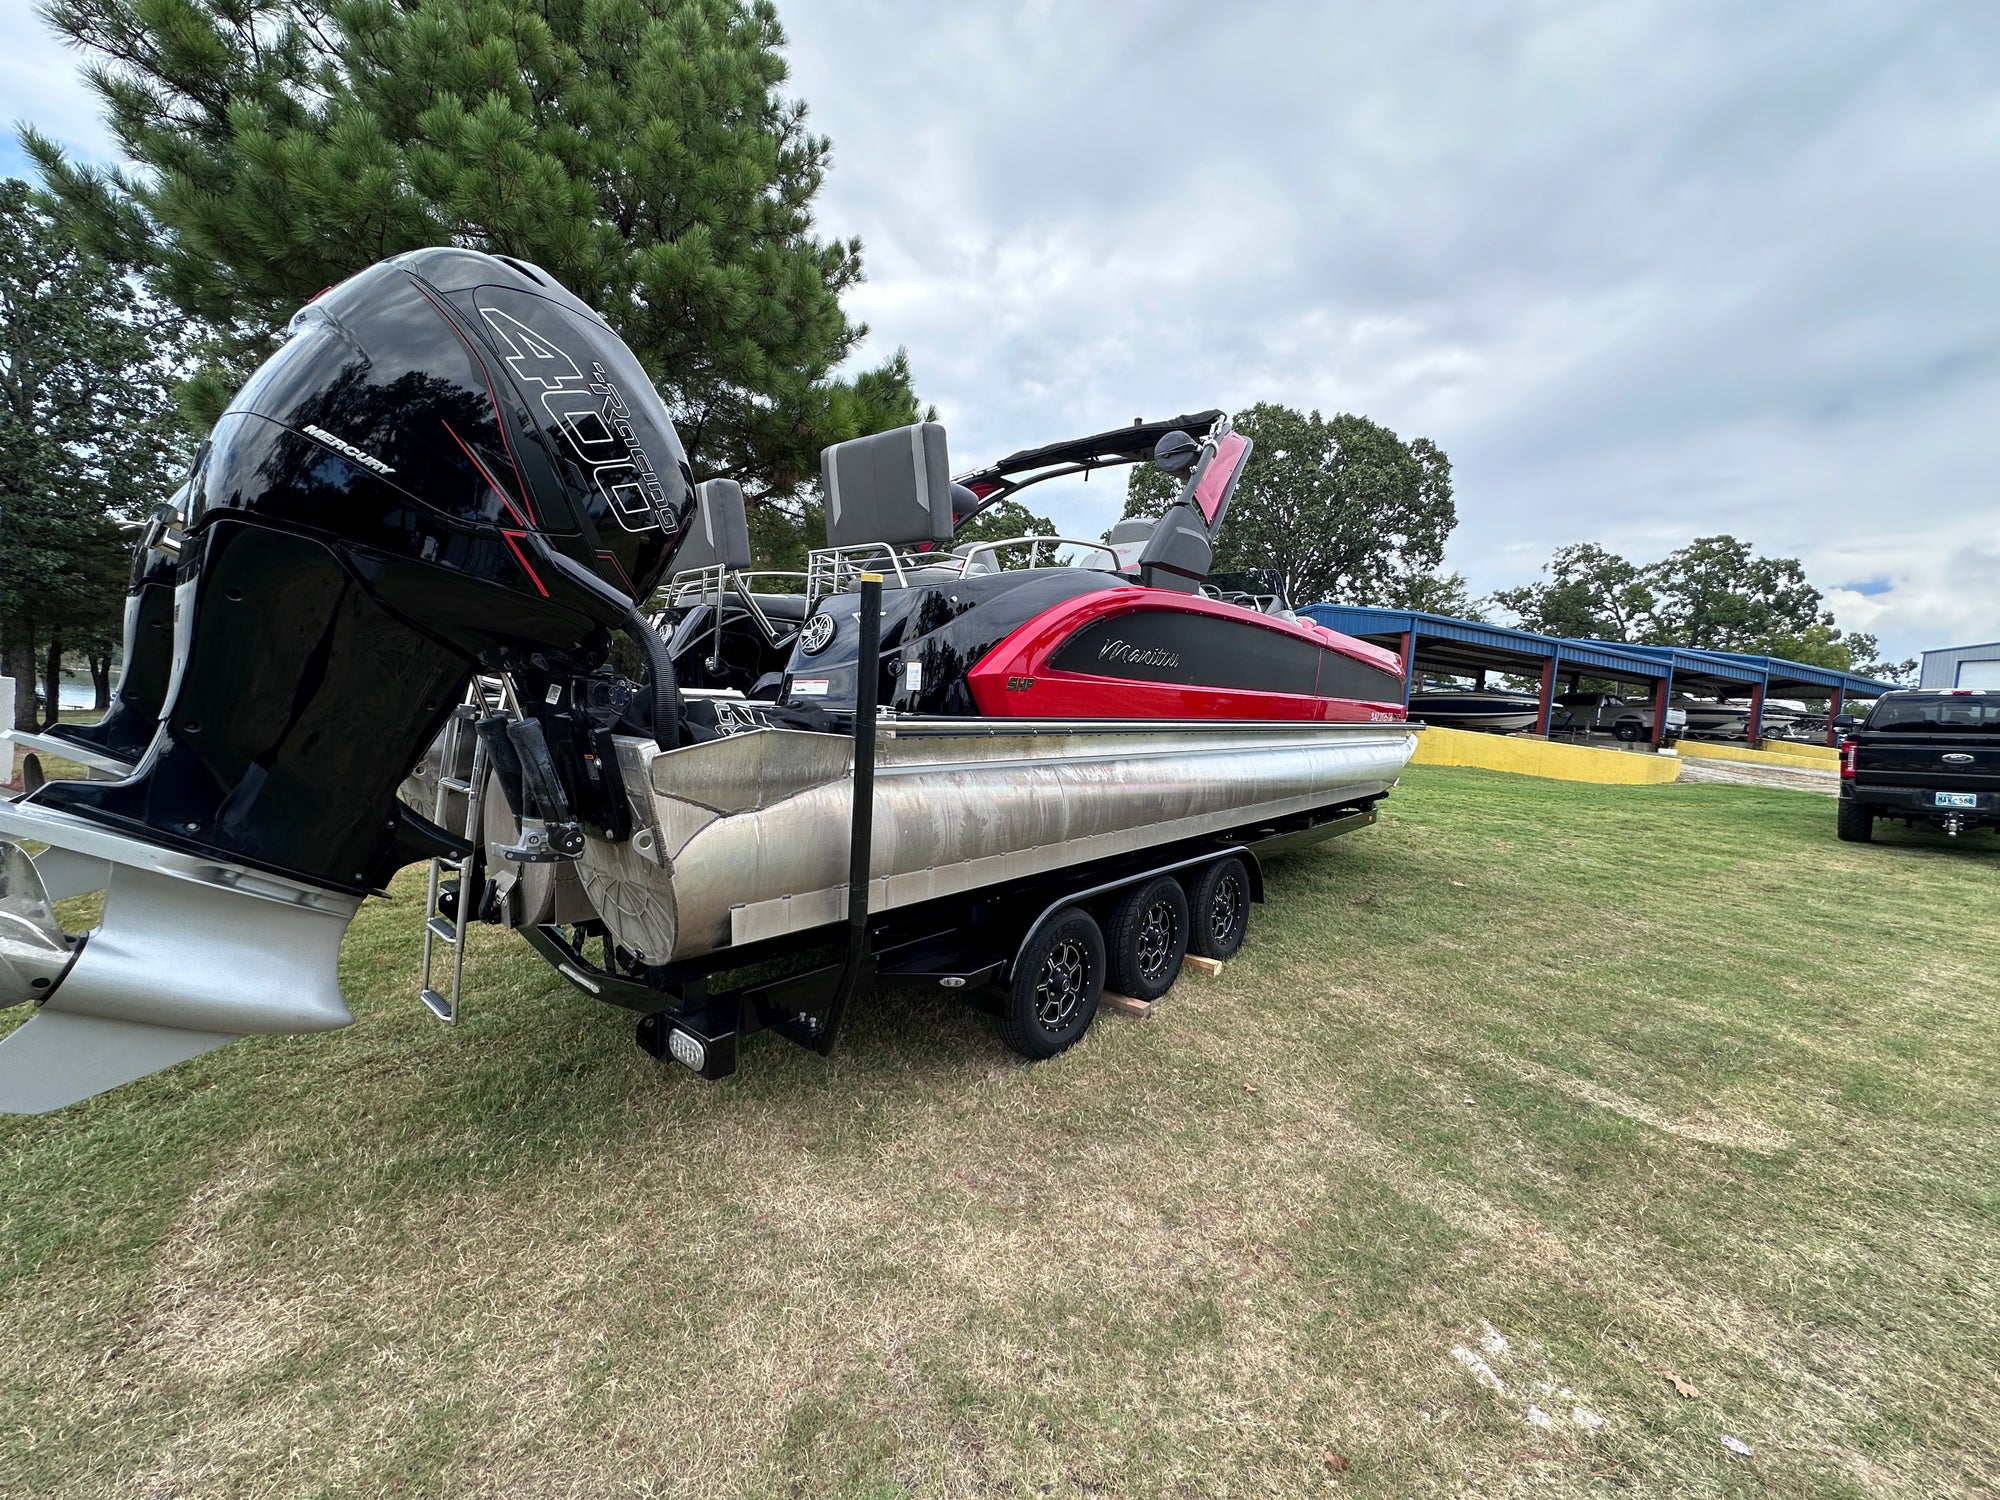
(693, 587)
(1264, 604)
(838, 570)
(985, 557)
(707, 585)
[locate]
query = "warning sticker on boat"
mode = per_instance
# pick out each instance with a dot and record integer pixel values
(809, 687)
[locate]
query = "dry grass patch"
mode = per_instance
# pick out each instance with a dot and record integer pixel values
(1581, 1083)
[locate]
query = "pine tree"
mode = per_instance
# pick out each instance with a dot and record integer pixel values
(88, 437)
(639, 150)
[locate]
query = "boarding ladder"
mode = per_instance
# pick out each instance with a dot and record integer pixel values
(464, 885)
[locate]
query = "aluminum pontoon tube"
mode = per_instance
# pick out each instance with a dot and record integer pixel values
(747, 837)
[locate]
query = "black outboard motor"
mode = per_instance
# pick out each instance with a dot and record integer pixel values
(452, 465)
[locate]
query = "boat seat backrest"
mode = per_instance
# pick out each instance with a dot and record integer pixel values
(1178, 554)
(893, 487)
(720, 533)
(783, 609)
(1133, 529)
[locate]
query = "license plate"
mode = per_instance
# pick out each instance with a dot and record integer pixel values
(1957, 799)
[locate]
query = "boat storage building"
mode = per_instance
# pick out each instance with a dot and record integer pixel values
(1962, 667)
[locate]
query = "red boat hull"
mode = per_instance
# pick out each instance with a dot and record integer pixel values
(1145, 653)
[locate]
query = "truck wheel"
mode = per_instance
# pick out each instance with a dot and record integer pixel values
(1628, 731)
(1058, 980)
(1147, 938)
(1219, 909)
(1854, 823)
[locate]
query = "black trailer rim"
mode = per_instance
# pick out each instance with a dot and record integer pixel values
(1225, 911)
(1060, 991)
(1156, 941)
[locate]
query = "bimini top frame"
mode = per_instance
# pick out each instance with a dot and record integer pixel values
(1103, 450)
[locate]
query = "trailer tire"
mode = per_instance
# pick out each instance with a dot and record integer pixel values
(1219, 909)
(1058, 980)
(1854, 823)
(1146, 939)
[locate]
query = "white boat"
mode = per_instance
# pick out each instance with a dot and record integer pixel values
(1715, 719)
(1488, 710)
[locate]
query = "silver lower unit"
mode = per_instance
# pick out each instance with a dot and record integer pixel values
(190, 954)
(746, 838)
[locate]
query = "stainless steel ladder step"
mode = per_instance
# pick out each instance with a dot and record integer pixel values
(480, 699)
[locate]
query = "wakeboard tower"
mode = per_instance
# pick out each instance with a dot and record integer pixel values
(383, 629)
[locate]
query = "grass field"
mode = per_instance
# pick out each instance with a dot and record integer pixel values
(1514, 1101)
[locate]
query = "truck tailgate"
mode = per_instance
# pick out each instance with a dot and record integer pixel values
(1953, 765)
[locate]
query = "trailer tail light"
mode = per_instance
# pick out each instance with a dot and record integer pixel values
(1847, 748)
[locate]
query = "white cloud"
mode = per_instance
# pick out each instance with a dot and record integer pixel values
(1646, 271)
(41, 85)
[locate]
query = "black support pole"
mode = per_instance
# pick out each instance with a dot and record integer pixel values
(861, 833)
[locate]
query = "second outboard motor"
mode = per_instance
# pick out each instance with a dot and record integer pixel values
(452, 465)
(116, 741)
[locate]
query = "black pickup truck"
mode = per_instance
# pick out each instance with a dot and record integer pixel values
(1930, 756)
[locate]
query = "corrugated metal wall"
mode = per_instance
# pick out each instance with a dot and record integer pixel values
(1962, 666)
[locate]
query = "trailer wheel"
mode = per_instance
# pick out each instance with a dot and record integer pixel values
(1147, 938)
(1219, 909)
(1854, 823)
(1058, 980)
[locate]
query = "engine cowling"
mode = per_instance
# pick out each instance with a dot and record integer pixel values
(451, 464)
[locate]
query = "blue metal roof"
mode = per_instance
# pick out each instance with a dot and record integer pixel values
(1618, 659)
(1686, 663)
(1778, 669)
(1614, 658)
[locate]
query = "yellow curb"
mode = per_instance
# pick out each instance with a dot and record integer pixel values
(1525, 756)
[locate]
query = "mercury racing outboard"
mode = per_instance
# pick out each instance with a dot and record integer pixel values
(452, 466)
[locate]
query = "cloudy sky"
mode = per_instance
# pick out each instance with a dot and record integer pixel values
(1645, 271)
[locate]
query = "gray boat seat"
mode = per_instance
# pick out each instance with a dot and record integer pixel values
(719, 532)
(1128, 539)
(892, 487)
(1132, 529)
(1179, 553)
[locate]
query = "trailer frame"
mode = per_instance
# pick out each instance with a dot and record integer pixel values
(967, 945)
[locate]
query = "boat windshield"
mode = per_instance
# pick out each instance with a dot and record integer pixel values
(1953, 713)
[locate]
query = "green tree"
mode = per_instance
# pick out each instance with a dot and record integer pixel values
(1715, 594)
(87, 438)
(1591, 594)
(639, 150)
(1339, 506)
(1436, 594)
(1002, 523)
